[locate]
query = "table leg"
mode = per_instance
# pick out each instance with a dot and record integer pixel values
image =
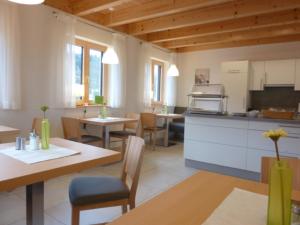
(35, 204)
(106, 137)
(166, 138)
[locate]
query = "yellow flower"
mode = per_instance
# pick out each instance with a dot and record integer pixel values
(275, 134)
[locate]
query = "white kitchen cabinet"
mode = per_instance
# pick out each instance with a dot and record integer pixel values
(257, 75)
(280, 72)
(297, 77)
(235, 78)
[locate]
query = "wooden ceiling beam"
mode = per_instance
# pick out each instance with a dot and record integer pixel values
(85, 7)
(233, 44)
(220, 12)
(264, 32)
(153, 9)
(251, 22)
(61, 5)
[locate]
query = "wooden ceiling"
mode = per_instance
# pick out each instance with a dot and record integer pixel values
(194, 25)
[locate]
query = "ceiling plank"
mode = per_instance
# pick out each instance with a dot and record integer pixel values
(264, 32)
(251, 22)
(261, 41)
(154, 9)
(61, 5)
(225, 11)
(85, 7)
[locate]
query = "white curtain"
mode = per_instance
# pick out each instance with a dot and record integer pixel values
(170, 84)
(117, 74)
(62, 63)
(145, 77)
(10, 78)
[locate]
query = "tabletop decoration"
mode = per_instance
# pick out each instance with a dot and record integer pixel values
(45, 130)
(280, 185)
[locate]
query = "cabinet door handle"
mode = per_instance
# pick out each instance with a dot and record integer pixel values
(234, 71)
(293, 137)
(244, 102)
(261, 84)
(266, 77)
(288, 126)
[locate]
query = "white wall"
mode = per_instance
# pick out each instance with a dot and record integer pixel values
(212, 59)
(35, 36)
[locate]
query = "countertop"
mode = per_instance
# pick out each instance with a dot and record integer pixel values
(260, 119)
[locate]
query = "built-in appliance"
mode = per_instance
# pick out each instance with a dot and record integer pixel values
(207, 99)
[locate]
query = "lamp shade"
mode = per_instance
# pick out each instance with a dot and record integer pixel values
(28, 2)
(173, 71)
(110, 57)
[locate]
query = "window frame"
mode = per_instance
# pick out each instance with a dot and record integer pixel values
(161, 64)
(87, 46)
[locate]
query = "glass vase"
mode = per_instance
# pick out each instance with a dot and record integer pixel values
(45, 134)
(280, 191)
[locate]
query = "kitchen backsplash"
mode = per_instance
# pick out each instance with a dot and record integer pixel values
(278, 97)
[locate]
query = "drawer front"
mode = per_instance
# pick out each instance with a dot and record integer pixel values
(254, 158)
(289, 144)
(219, 135)
(222, 155)
(217, 122)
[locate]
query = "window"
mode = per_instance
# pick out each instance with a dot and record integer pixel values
(157, 81)
(89, 70)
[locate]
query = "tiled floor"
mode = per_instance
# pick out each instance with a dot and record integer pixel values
(162, 169)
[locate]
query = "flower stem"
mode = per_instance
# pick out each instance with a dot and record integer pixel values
(277, 151)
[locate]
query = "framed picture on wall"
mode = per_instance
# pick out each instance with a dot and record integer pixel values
(202, 76)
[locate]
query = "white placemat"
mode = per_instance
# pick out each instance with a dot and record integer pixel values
(35, 156)
(240, 207)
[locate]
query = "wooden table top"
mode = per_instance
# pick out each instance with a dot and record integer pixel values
(107, 121)
(14, 173)
(170, 115)
(4, 130)
(190, 202)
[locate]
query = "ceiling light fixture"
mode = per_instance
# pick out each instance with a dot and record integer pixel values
(173, 71)
(110, 57)
(28, 2)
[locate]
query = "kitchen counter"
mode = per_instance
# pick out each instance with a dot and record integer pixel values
(234, 145)
(294, 121)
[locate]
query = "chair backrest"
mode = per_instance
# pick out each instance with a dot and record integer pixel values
(37, 125)
(148, 120)
(294, 163)
(132, 126)
(132, 163)
(71, 127)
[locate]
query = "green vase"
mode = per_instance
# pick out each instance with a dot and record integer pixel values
(45, 134)
(280, 191)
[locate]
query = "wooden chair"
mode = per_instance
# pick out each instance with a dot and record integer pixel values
(97, 192)
(37, 125)
(149, 125)
(71, 130)
(129, 129)
(294, 163)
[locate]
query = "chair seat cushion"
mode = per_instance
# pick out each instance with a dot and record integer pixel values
(91, 190)
(87, 139)
(122, 133)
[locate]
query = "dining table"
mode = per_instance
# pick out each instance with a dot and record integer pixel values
(15, 173)
(8, 134)
(106, 123)
(192, 201)
(168, 117)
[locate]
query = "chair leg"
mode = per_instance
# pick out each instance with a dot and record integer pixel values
(123, 148)
(132, 205)
(151, 141)
(75, 216)
(124, 209)
(154, 140)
